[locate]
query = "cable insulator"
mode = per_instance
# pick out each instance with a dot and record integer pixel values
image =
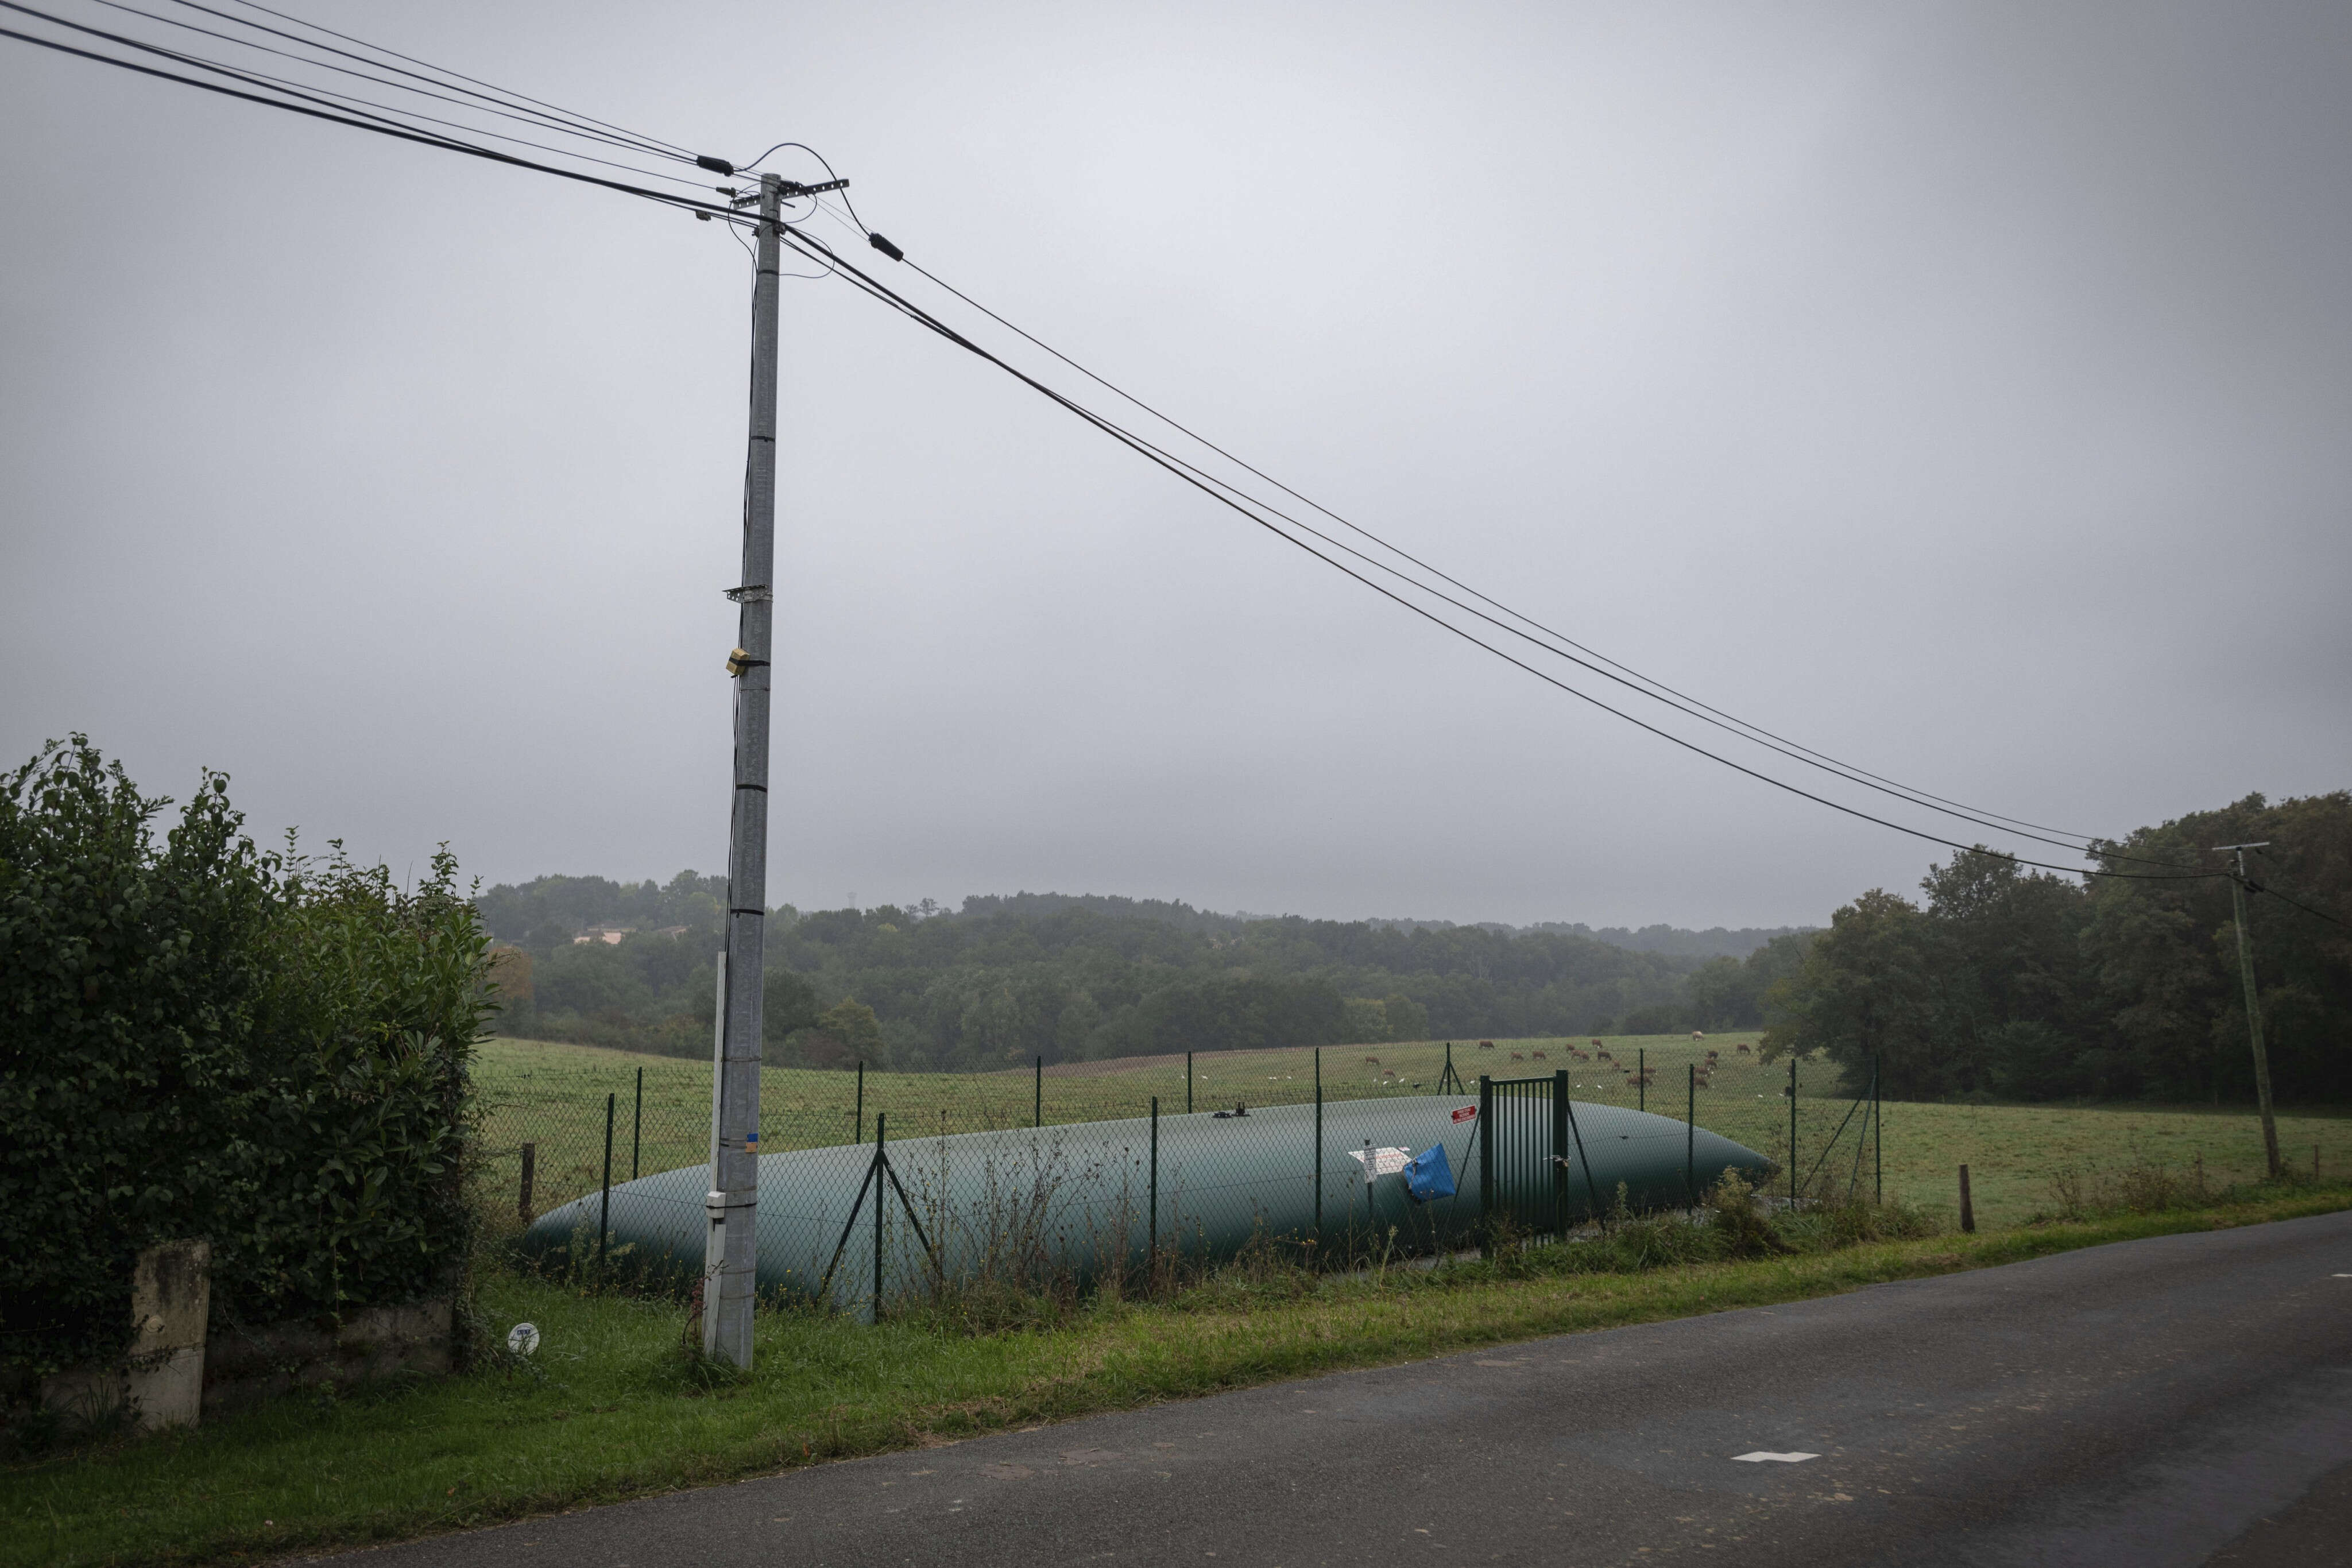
(886, 248)
(716, 165)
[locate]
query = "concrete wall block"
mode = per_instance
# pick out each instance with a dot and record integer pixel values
(244, 1367)
(161, 1378)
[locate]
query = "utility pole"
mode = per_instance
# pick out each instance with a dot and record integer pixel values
(2253, 1009)
(730, 1257)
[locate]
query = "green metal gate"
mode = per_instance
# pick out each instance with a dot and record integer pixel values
(1532, 1167)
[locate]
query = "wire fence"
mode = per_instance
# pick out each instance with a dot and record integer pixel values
(873, 1181)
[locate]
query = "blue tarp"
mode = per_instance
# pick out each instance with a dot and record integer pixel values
(1428, 1175)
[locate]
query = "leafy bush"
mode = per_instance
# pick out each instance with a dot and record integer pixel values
(201, 1038)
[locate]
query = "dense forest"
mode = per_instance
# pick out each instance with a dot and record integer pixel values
(2019, 985)
(1004, 979)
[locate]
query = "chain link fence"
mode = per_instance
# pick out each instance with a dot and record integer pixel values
(1079, 1170)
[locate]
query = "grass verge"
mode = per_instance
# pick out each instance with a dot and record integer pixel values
(611, 1408)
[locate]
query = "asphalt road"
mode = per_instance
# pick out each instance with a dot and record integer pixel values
(2175, 1401)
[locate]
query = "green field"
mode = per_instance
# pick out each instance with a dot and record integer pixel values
(553, 1095)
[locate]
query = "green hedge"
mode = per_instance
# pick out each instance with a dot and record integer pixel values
(199, 1038)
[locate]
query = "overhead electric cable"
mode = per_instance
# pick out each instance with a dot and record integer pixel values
(816, 249)
(668, 149)
(477, 104)
(1690, 707)
(374, 124)
(313, 93)
(1721, 719)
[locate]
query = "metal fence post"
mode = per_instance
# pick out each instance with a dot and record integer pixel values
(1690, 1142)
(1792, 1129)
(605, 1220)
(881, 1175)
(1319, 1146)
(1641, 1078)
(861, 1100)
(1188, 1083)
(1560, 1150)
(1967, 1208)
(1486, 1134)
(529, 1160)
(1038, 1120)
(1151, 1252)
(1877, 1139)
(637, 1126)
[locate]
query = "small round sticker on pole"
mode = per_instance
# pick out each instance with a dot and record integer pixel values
(522, 1339)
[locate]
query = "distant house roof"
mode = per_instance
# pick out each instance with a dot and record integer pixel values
(605, 934)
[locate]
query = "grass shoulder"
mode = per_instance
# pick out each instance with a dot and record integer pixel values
(613, 1407)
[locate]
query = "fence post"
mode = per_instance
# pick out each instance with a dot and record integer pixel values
(1486, 1134)
(1151, 1252)
(1188, 1083)
(861, 1100)
(1877, 1138)
(605, 1219)
(1641, 1078)
(1318, 1148)
(1560, 1150)
(637, 1126)
(881, 1175)
(1038, 1120)
(530, 1159)
(1792, 1129)
(1690, 1142)
(1967, 1209)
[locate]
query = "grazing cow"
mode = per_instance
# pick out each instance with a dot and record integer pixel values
(1596, 1045)
(1743, 1048)
(1540, 1057)
(1605, 1056)
(1486, 1045)
(1698, 1034)
(1388, 1072)
(1371, 1061)
(1516, 1057)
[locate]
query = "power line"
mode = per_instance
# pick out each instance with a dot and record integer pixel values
(476, 103)
(508, 95)
(1690, 707)
(310, 93)
(1696, 708)
(375, 123)
(314, 93)
(816, 249)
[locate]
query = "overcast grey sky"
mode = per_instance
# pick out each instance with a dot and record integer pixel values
(1961, 390)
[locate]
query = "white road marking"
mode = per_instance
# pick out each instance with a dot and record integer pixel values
(1761, 1454)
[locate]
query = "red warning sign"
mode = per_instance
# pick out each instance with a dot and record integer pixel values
(1467, 1112)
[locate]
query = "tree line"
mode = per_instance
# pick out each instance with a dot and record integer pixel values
(1006, 979)
(2008, 983)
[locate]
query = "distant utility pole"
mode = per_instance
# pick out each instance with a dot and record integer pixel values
(2253, 1010)
(730, 1256)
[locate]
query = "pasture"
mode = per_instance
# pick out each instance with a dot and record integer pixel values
(2022, 1157)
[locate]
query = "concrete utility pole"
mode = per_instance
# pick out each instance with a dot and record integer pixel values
(730, 1257)
(2253, 1010)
